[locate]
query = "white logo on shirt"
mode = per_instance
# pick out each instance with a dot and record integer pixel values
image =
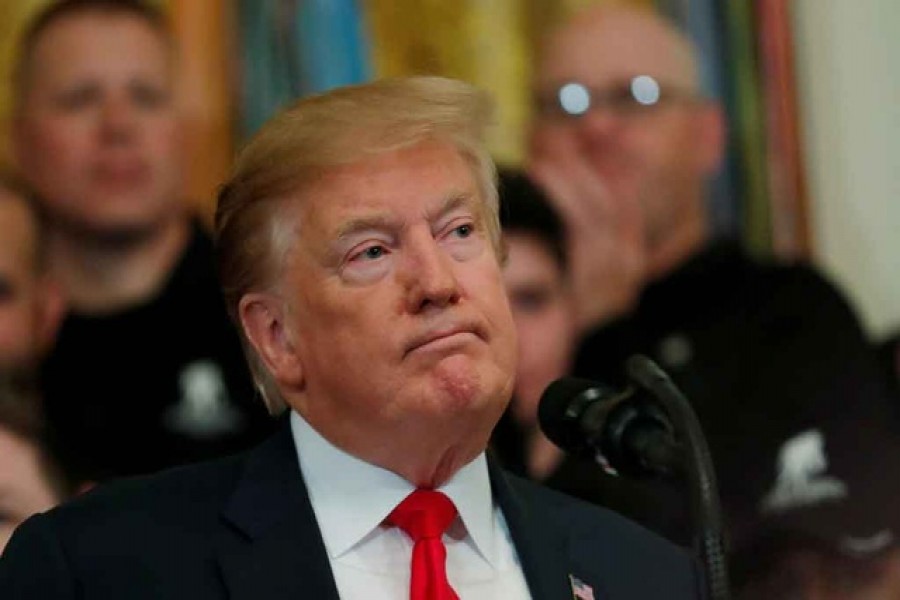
(862, 546)
(801, 479)
(204, 409)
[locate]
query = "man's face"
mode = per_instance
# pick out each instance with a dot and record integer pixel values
(655, 155)
(20, 285)
(24, 489)
(396, 307)
(535, 283)
(96, 129)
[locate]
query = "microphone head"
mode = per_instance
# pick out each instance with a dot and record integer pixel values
(561, 409)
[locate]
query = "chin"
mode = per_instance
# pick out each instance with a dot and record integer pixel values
(459, 382)
(117, 227)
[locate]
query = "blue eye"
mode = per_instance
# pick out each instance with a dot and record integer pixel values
(373, 252)
(463, 231)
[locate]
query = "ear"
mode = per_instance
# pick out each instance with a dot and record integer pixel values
(262, 318)
(711, 134)
(52, 309)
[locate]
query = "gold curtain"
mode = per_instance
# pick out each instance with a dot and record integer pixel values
(14, 15)
(205, 33)
(480, 41)
(489, 43)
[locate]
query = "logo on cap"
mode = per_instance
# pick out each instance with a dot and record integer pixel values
(802, 478)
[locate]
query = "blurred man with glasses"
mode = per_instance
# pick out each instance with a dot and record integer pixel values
(620, 120)
(624, 143)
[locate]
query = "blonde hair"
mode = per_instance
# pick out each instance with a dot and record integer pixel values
(318, 133)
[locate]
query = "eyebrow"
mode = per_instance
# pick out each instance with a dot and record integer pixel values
(454, 201)
(355, 225)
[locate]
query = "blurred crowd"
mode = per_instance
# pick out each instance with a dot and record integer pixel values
(117, 357)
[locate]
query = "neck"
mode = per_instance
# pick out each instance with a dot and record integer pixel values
(431, 464)
(434, 475)
(101, 276)
(425, 461)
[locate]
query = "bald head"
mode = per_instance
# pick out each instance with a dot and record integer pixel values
(612, 42)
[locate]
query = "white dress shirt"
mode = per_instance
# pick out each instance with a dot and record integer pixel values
(351, 499)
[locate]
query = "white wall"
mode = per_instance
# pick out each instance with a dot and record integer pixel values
(848, 70)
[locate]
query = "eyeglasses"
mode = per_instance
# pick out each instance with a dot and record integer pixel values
(637, 95)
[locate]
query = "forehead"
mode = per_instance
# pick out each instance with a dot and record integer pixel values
(529, 258)
(97, 43)
(407, 183)
(606, 46)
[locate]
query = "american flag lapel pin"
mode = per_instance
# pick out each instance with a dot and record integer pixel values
(580, 590)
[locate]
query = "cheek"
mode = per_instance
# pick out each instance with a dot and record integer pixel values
(163, 138)
(64, 134)
(498, 309)
(56, 150)
(553, 140)
(545, 341)
(346, 325)
(670, 142)
(16, 326)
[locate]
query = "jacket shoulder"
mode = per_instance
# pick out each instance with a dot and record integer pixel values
(135, 529)
(615, 550)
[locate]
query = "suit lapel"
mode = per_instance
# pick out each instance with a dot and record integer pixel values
(269, 545)
(542, 549)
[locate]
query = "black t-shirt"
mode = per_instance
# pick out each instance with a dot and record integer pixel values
(158, 384)
(764, 352)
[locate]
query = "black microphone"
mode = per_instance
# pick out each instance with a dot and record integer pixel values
(624, 430)
(631, 432)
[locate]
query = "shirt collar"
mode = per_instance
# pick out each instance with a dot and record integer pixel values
(351, 498)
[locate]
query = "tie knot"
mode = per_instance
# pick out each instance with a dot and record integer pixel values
(424, 514)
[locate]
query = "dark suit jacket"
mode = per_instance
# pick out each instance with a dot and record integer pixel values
(243, 528)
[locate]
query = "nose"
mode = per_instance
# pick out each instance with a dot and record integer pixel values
(118, 120)
(429, 277)
(598, 123)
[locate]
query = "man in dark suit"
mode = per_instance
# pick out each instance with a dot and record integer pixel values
(359, 251)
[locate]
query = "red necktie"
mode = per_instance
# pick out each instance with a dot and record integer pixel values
(425, 515)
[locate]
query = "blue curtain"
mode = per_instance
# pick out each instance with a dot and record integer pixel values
(292, 48)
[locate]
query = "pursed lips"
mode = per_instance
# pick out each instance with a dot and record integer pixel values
(439, 333)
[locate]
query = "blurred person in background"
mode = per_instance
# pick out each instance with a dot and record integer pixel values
(536, 278)
(147, 371)
(534, 275)
(30, 303)
(623, 144)
(30, 309)
(30, 479)
(845, 546)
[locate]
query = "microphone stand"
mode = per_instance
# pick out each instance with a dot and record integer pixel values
(706, 511)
